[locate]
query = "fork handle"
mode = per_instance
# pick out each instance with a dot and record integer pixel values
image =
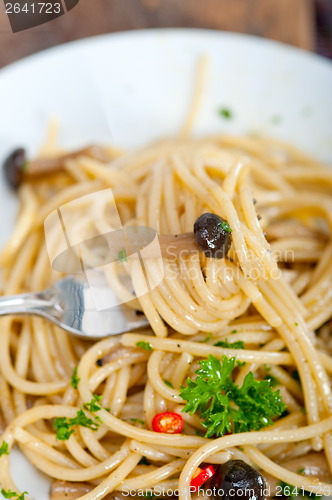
(25, 303)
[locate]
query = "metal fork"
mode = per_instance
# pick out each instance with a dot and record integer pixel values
(70, 305)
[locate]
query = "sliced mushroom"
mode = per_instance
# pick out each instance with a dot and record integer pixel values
(18, 169)
(70, 491)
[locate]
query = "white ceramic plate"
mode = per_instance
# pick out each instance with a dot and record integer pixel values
(131, 88)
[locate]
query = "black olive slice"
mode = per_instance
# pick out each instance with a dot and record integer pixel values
(235, 480)
(213, 235)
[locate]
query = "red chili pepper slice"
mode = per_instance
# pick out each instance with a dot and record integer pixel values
(168, 422)
(201, 477)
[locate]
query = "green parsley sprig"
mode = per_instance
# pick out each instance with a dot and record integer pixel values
(225, 407)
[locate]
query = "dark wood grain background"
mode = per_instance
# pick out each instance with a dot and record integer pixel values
(289, 21)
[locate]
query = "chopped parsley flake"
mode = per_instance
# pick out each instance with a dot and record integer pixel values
(233, 331)
(122, 256)
(74, 381)
(223, 406)
(143, 461)
(24, 167)
(288, 490)
(230, 345)
(4, 448)
(137, 421)
(296, 323)
(168, 383)
(225, 227)
(273, 380)
(64, 426)
(144, 345)
(209, 337)
(22, 495)
(225, 113)
(93, 406)
(276, 119)
(301, 470)
(8, 493)
(13, 494)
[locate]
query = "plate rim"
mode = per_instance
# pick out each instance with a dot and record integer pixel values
(81, 42)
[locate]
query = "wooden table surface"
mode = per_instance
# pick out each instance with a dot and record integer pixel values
(289, 21)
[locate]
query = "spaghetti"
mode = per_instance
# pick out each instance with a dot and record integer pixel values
(272, 293)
